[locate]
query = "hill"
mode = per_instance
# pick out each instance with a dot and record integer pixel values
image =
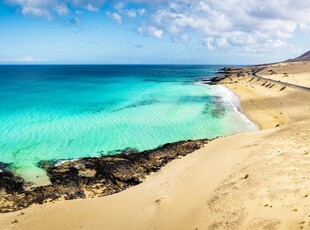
(303, 57)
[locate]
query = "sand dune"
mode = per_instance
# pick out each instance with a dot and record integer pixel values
(257, 180)
(292, 72)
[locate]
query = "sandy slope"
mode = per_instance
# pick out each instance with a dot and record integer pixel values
(258, 180)
(292, 72)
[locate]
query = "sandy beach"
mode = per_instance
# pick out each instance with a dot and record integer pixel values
(257, 180)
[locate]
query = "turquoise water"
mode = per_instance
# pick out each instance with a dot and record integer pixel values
(67, 112)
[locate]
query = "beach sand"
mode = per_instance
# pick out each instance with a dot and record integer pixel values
(257, 180)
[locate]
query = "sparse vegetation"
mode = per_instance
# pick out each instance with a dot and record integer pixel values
(15, 221)
(272, 72)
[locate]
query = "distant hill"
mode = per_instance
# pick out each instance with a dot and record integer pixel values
(304, 57)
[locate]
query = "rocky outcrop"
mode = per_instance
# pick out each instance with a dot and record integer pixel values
(226, 70)
(90, 177)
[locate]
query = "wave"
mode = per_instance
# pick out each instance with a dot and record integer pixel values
(231, 98)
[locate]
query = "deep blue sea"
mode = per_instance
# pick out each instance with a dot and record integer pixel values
(57, 112)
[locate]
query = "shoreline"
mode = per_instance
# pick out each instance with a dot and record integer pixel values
(74, 171)
(52, 167)
(33, 174)
(246, 180)
(236, 104)
(90, 177)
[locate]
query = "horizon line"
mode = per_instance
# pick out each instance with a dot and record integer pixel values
(107, 64)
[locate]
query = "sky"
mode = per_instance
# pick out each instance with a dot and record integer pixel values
(153, 31)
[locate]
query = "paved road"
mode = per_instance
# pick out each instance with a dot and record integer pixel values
(253, 74)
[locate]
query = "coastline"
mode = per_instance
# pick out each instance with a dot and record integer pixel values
(234, 100)
(224, 184)
(89, 177)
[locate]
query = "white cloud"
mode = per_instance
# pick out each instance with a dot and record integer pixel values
(122, 10)
(254, 25)
(156, 32)
(184, 38)
(116, 17)
(24, 59)
(38, 8)
(141, 11)
(304, 27)
(36, 12)
(219, 24)
(119, 6)
(132, 13)
(90, 7)
(62, 10)
(49, 8)
(151, 30)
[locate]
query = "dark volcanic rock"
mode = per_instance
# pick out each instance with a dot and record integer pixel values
(226, 70)
(90, 177)
(10, 183)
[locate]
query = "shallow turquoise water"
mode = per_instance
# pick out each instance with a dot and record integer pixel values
(67, 112)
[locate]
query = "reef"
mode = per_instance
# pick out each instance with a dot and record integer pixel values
(89, 177)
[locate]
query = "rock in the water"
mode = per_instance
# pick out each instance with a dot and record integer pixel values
(90, 177)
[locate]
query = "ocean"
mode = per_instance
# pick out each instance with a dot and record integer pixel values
(63, 112)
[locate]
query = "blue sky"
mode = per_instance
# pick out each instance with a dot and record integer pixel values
(153, 32)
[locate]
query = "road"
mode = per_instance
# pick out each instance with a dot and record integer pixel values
(254, 75)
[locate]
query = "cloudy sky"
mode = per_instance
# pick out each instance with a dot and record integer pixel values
(153, 31)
